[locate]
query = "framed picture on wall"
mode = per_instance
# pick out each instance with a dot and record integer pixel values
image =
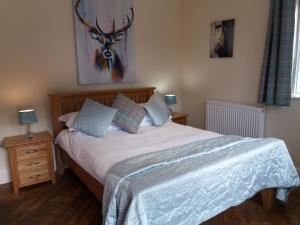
(221, 38)
(104, 33)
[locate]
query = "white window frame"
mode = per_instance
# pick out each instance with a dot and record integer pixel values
(296, 56)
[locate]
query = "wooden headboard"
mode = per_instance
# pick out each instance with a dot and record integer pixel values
(71, 102)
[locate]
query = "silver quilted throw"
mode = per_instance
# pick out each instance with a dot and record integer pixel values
(189, 184)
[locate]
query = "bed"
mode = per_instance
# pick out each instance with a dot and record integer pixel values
(63, 103)
(93, 176)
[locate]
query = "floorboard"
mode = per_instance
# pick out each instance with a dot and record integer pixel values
(70, 203)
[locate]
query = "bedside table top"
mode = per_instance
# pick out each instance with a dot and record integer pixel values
(22, 140)
(177, 115)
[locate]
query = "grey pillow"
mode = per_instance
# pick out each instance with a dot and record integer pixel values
(157, 110)
(129, 115)
(94, 118)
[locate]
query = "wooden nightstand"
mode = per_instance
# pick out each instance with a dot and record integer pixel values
(180, 118)
(31, 161)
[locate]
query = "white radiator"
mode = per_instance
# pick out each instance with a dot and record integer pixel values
(235, 119)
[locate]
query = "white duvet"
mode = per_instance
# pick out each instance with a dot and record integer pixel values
(98, 155)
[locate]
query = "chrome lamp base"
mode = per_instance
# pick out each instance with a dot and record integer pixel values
(29, 135)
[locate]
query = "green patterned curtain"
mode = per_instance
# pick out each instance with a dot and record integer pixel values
(275, 85)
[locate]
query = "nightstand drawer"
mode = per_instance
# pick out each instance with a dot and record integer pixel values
(32, 163)
(31, 151)
(37, 175)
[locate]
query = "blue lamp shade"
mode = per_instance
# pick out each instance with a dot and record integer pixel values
(170, 100)
(27, 116)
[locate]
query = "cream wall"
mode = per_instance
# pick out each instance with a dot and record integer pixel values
(234, 79)
(37, 56)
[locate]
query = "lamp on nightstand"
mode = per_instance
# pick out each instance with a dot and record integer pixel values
(28, 117)
(170, 100)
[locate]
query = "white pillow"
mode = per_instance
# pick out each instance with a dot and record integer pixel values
(146, 122)
(69, 119)
(113, 127)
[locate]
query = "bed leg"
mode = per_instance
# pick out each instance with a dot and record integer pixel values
(268, 198)
(59, 160)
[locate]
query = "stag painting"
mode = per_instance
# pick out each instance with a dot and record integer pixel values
(221, 40)
(104, 40)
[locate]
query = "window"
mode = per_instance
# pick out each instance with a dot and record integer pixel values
(296, 56)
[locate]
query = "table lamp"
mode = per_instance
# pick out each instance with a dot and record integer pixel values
(28, 117)
(170, 100)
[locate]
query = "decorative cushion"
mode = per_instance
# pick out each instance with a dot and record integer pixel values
(157, 110)
(129, 115)
(94, 118)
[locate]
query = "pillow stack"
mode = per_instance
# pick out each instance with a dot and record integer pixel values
(96, 119)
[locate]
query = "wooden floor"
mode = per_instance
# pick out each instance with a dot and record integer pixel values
(69, 203)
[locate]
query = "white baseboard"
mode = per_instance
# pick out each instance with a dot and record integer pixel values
(5, 176)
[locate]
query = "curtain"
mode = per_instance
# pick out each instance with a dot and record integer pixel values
(275, 84)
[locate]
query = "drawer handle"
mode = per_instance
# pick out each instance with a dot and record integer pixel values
(34, 164)
(31, 151)
(35, 176)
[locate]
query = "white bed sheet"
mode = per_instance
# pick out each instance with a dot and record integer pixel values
(98, 155)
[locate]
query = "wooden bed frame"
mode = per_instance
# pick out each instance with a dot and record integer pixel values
(71, 102)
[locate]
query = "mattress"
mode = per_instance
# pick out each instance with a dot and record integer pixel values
(98, 155)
